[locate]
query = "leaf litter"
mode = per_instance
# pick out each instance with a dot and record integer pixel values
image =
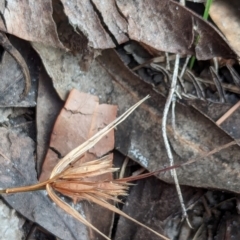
(94, 192)
(96, 8)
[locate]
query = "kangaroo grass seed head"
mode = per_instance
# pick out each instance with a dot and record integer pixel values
(81, 182)
(76, 183)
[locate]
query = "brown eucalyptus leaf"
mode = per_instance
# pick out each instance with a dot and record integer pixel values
(164, 25)
(194, 135)
(170, 27)
(116, 24)
(17, 168)
(83, 16)
(63, 67)
(226, 15)
(31, 21)
(80, 118)
(11, 76)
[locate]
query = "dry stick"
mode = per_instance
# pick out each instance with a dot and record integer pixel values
(165, 138)
(226, 115)
(173, 115)
(184, 66)
(167, 61)
(174, 96)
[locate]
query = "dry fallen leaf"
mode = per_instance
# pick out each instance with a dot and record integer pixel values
(164, 25)
(31, 21)
(195, 134)
(171, 27)
(168, 26)
(226, 14)
(109, 78)
(102, 69)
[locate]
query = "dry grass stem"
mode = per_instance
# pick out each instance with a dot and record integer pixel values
(123, 168)
(228, 114)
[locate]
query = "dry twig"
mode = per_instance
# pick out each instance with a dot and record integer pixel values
(165, 138)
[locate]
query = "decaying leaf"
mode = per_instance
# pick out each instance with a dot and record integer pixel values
(66, 69)
(31, 21)
(225, 14)
(164, 25)
(195, 134)
(109, 79)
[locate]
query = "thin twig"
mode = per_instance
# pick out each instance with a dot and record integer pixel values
(184, 66)
(226, 115)
(165, 138)
(167, 61)
(215, 63)
(173, 115)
